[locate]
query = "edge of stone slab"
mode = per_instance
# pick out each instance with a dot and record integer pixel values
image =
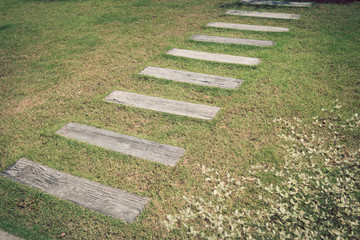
(249, 42)
(277, 3)
(236, 83)
(260, 14)
(242, 60)
(7, 236)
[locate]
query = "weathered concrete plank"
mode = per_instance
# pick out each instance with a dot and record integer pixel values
(214, 57)
(191, 77)
(129, 145)
(163, 105)
(277, 3)
(263, 14)
(247, 27)
(106, 200)
(239, 41)
(8, 236)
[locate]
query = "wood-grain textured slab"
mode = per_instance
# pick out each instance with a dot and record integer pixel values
(263, 14)
(7, 236)
(277, 3)
(106, 200)
(214, 57)
(129, 145)
(163, 105)
(247, 27)
(191, 77)
(228, 40)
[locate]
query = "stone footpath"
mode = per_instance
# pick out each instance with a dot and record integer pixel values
(117, 203)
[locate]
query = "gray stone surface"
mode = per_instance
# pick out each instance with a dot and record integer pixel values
(247, 27)
(163, 105)
(263, 14)
(239, 41)
(106, 200)
(191, 77)
(8, 236)
(129, 145)
(214, 57)
(277, 3)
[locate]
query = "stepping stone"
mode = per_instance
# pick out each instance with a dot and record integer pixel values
(163, 105)
(191, 77)
(129, 145)
(239, 41)
(247, 27)
(7, 236)
(95, 196)
(263, 14)
(277, 3)
(214, 57)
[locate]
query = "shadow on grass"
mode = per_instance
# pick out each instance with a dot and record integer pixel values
(54, 1)
(5, 26)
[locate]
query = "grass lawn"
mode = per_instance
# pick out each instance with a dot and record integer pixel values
(60, 59)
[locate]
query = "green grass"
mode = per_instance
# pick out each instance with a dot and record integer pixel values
(59, 59)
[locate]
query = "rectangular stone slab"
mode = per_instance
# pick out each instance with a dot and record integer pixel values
(214, 57)
(125, 144)
(191, 77)
(163, 105)
(95, 196)
(228, 40)
(263, 14)
(277, 3)
(247, 27)
(8, 236)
